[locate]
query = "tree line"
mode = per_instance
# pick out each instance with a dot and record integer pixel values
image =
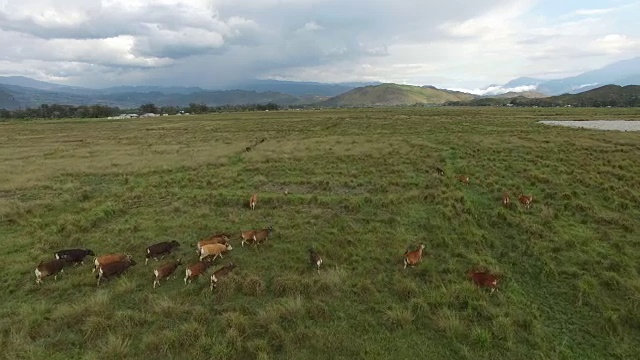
(58, 111)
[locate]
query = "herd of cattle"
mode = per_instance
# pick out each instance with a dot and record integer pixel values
(209, 249)
(110, 265)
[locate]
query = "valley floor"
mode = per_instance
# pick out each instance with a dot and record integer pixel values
(359, 186)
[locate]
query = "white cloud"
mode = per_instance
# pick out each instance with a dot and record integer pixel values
(583, 86)
(497, 90)
(310, 26)
(590, 12)
(212, 42)
(614, 43)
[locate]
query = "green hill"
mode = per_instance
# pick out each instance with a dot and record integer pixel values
(526, 94)
(608, 95)
(395, 94)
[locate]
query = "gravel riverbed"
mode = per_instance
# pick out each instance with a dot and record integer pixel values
(619, 125)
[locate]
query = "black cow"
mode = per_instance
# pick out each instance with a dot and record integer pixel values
(74, 256)
(161, 248)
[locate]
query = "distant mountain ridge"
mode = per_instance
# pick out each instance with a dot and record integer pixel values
(622, 73)
(19, 91)
(18, 96)
(36, 84)
(512, 94)
(604, 96)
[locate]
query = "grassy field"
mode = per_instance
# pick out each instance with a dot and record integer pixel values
(361, 189)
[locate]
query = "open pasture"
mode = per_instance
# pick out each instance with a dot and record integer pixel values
(361, 188)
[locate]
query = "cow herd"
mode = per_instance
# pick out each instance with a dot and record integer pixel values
(209, 249)
(110, 265)
(482, 278)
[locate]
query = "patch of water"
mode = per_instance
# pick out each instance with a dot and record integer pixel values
(616, 125)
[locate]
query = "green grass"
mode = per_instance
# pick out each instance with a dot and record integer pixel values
(362, 188)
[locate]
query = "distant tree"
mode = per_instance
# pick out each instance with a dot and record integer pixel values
(149, 108)
(198, 108)
(45, 111)
(171, 110)
(268, 106)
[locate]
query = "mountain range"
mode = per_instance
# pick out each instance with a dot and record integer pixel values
(22, 92)
(626, 72)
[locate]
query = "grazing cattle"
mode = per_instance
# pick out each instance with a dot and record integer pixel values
(484, 278)
(164, 271)
(109, 258)
(197, 269)
(161, 248)
(214, 250)
(315, 259)
(48, 268)
(262, 235)
(525, 200)
(111, 269)
(74, 255)
(413, 257)
(464, 179)
(246, 236)
(214, 239)
(220, 273)
(440, 171)
(247, 149)
(505, 199)
(253, 201)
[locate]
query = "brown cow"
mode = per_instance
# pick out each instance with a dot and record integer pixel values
(48, 268)
(116, 268)
(525, 200)
(484, 278)
(220, 273)
(214, 250)
(164, 271)
(109, 258)
(505, 199)
(413, 257)
(262, 235)
(214, 239)
(315, 259)
(464, 179)
(246, 236)
(253, 201)
(197, 269)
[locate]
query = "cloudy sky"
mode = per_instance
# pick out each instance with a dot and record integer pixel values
(216, 43)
